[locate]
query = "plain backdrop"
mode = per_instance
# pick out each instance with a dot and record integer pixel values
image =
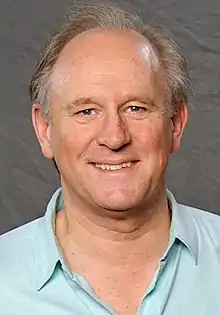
(27, 180)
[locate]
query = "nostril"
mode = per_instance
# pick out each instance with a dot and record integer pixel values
(113, 134)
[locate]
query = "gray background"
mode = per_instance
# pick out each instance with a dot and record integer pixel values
(27, 180)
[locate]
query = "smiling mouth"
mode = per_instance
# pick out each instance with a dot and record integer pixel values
(113, 167)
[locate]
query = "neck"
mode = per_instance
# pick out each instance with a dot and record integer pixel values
(115, 240)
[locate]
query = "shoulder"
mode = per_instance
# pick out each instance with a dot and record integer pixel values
(201, 215)
(23, 233)
(17, 249)
(206, 224)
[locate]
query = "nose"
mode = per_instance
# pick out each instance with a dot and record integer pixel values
(114, 133)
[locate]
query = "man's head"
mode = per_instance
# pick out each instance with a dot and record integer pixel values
(111, 98)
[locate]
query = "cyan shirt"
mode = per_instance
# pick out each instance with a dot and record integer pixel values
(34, 279)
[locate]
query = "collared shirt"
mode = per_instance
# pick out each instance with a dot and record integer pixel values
(35, 280)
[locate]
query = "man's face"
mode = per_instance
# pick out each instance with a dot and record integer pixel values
(110, 132)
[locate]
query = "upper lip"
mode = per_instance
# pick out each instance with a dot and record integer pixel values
(114, 162)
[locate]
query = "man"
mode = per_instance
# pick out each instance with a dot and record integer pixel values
(110, 105)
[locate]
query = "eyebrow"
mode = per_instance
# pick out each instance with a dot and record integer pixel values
(79, 102)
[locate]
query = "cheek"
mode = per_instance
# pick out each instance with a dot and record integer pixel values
(70, 140)
(155, 140)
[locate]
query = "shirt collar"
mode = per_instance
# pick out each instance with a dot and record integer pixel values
(47, 254)
(182, 226)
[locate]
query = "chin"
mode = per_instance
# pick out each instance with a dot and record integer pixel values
(117, 205)
(119, 199)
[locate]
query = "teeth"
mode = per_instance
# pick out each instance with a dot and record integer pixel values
(113, 167)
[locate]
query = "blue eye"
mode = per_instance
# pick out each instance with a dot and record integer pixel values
(138, 111)
(87, 115)
(137, 108)
(86, 112)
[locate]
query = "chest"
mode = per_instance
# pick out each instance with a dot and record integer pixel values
(122, 288)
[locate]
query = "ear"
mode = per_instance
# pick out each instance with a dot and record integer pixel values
(43, 131)
(179, 121)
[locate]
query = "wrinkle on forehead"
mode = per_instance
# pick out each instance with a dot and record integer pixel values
(90, 45)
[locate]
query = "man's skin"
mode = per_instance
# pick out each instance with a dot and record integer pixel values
(109, 107)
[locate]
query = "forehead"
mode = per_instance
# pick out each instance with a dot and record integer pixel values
(107, 59)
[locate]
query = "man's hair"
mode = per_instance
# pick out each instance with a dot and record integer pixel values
(86, 15)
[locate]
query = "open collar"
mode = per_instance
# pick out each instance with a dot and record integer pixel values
(47, 254)
(183, 226)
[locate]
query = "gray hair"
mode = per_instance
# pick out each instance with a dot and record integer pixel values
(108, 15)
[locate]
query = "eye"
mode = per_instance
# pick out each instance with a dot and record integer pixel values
(86, 112)
(87, 115)
(136, 109)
